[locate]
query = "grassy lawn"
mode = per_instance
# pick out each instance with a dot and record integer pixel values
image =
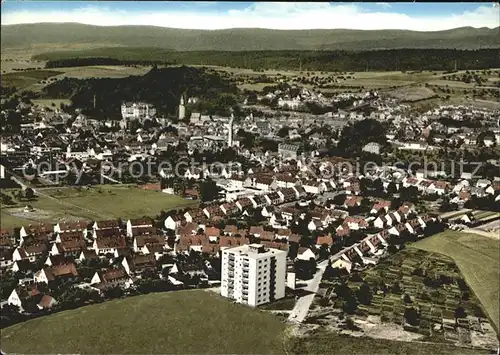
(330, 343)
(478, 259)
(103, 202)
(9, 221)
(181, 322)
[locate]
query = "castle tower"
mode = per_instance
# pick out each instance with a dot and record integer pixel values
(182, 109)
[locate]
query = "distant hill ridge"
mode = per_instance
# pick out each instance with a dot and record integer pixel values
(244, 39)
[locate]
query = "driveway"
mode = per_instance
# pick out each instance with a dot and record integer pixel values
(299, 312)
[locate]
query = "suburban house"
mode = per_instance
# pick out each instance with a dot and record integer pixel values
(68, 243)
(30, 297)
(61, 273)
(110, 224)
(142, 241)
(138, 223)
(105, 245)
(355, 222)
(78, 226)
(30, 253)
(88, 254)
(138, 264)
(175, 221)
(111, 278)
(381, 205)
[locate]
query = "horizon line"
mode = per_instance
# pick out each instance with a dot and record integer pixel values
(251, 28)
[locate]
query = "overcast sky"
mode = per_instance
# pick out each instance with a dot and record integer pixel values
(222, 15)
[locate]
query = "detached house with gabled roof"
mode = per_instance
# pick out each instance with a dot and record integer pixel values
(355, 222)
(230, 209)
(380, 206)
(352, 201)
(393, 218)
(315, 187)
(439, 187)
(137, 264)
(142, 241)
(230, 242)
(61, 273)
(258, 201)
(133, 224)
(265, 182)
(213, 211)
(105, 245)
(109, 224)
(39, 229)
(69, 243)
(26, 297)
(110, 278)
(174, 222)
(324, 240)
(286, 180)
(243, 203)
(31, 252)
(213, 233)
(104, 233)
(397, 229)
(288, 194)
(273, 198)
(187, 243)
(78, 226)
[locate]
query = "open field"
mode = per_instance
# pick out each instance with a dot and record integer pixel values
(109, 201)
(102, 71)
(186, 322)
(181, 322)
(478, 259)
(49, 102)
(22, 80)
(35, 80)
(9, 221)
(13, 65)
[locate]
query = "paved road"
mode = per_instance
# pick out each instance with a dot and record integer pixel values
(299, 312)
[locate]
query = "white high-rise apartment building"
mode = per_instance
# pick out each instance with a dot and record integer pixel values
(253, 274)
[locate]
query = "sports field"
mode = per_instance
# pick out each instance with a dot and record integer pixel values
(478, 259)
(98, 202)
(181, 322)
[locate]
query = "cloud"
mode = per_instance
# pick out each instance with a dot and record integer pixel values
(383, 4)
(263, 15)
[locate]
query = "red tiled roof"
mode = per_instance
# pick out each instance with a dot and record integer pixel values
(326, 239)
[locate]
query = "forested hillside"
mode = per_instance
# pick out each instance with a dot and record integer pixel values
(161, 87)
(241, 39)
(380, 60)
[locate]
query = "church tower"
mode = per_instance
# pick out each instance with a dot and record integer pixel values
(182, 109)
(230, 133)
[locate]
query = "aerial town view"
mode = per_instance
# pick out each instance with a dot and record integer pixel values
(250, 178)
